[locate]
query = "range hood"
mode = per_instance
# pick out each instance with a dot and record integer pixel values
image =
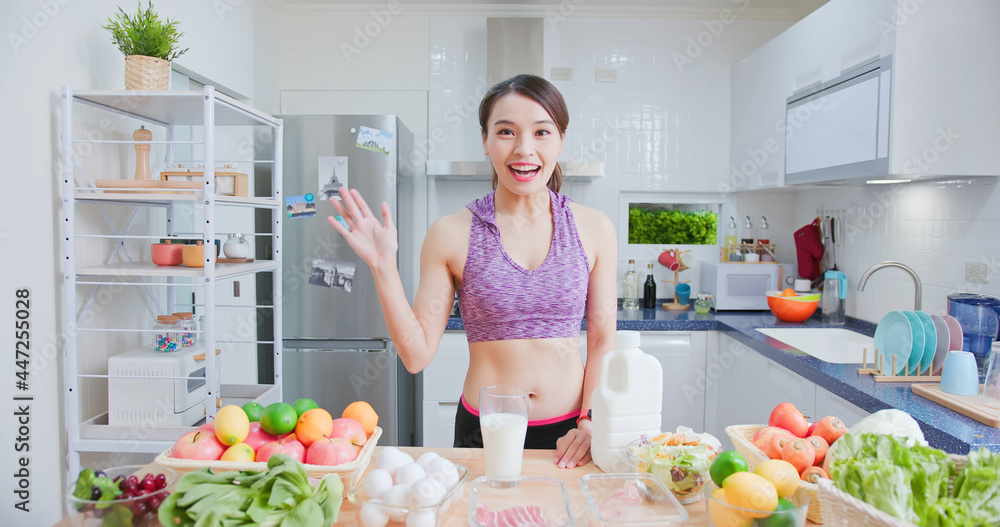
(513, 46)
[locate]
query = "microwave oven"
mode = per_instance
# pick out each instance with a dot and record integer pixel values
(146, 386)
(737, 286)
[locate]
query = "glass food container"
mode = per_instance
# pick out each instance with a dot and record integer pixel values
(186, 324)
(236, 247)
(633, 500)
(544, 501)
(370, 512)
(167, 333)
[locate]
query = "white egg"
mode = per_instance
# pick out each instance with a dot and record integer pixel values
(409, 473)
(391, 458)
(426, 458)
(373, 515)
(397, 497)
(420, 519)
(377, 482)
(444, 471)
(426, 492)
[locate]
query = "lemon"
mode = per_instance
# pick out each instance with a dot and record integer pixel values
(781, 474)
(724, 516)
(750, 491)
(231, 425)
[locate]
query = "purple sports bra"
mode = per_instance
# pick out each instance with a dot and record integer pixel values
(500, 300)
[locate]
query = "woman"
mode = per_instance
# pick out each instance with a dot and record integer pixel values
(527, 264)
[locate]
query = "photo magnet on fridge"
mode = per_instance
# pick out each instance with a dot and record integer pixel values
(374, 140)
(332, 176)
(300, 206)
(338, 274)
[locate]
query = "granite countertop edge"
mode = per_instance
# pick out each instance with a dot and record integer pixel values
(943, 428)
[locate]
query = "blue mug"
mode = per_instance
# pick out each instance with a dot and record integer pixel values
(683, 294)
(960, 374)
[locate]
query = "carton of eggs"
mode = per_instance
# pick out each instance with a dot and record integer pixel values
(402, 491)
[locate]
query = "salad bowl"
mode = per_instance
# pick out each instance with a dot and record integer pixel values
(679, 460)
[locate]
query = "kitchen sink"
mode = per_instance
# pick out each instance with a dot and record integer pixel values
(833, 345)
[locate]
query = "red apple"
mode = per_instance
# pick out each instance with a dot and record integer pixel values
(349, 429)
(200, 445)
(332, 451)
(210, 426)
(291, 447)
(257, 437)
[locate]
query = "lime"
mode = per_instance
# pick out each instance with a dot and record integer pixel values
(787, 519)
(253, 410)
(726, 464)
(278, 419)
(303, 405)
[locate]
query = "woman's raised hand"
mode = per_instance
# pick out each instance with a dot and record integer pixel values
(374, 241)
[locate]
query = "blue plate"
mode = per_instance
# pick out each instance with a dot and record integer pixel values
(930, 340)
(917, 343)
(894, 338)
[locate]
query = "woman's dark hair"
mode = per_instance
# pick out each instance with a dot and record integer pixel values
(539, 90)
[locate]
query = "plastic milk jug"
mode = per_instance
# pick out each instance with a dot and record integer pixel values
(626, 403)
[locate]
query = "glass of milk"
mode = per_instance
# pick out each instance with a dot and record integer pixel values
(503, 418)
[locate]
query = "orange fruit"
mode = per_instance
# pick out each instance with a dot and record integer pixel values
(312, 425)
(788, 292)
(363, 413)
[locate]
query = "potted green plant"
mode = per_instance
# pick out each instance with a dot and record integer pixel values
(148, 43)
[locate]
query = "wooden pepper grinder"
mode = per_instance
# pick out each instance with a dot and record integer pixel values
(142, 153)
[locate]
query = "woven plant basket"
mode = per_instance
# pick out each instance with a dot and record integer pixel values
(350, 473)
(742, 436)
(146, 73)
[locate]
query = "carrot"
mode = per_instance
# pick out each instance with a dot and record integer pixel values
(813, 474)
(776, 444)
(830, 428)
(799, 453)
(821, 447)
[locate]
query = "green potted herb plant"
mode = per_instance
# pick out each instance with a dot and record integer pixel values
(148, 43)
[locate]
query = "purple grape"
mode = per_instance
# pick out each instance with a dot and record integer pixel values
(95, 493)
(132, 480)
(125, 495)
(131, 486)
(100, 474)
(140, 493)
(140, 508)
(161, 481)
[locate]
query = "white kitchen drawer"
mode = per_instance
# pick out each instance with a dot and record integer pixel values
(828, 403)
(439, 423)
(444, 378)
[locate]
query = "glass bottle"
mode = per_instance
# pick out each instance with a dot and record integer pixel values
(165, 334)
(763, 238)
(185, 321)
(236, 247)
(703, 304)
(630, 288)
(731, 253)
(649, 289)
(747, 235)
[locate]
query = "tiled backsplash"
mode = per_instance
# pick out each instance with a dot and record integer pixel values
(932, 227)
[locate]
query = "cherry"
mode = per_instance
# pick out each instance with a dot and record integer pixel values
(140, 508)
(154, 503)
(161, 481)
(131, 486)
(141, 492)
(132, 480)
(148, 485)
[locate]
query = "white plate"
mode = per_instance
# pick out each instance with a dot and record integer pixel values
(943, 340)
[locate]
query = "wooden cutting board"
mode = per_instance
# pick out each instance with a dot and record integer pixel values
(973, 406)
(131, 183)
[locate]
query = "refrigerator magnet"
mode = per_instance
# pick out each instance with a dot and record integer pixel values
(338, 274)
(332, 176)
(300, 206)
(375, 140)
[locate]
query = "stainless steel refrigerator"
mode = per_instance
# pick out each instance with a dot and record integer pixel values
(336, 346)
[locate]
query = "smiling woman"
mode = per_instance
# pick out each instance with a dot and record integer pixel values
(527, 264)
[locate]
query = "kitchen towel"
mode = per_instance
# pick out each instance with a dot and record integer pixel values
(809, 250)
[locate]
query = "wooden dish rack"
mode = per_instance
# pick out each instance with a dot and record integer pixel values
(878, 371)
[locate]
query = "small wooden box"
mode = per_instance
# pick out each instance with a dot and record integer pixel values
(226, 183)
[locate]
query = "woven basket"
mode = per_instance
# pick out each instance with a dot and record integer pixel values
(742, 435)
(350, 473)
(842, 509)
(146, 73)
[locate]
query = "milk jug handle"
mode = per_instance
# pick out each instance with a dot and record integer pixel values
(613, 364)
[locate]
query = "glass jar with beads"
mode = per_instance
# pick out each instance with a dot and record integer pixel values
(166, 333)
(187, 328)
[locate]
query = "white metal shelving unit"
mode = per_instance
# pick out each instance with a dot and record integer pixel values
(167, 109)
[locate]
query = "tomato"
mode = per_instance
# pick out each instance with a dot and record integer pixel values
(726, 464)
(812, 427)
(753, 492)
(830, 428)
(787, 416)
(799, 453)
(781, 520)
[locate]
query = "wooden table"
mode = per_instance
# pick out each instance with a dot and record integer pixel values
(536, 463)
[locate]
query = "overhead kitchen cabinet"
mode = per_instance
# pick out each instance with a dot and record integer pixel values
(869, 90)
(119, 394)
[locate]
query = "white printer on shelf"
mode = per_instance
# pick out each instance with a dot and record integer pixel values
(147, 387)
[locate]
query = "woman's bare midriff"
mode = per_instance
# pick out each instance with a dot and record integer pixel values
(551, 369)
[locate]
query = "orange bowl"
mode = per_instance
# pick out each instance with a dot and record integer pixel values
(787, 309)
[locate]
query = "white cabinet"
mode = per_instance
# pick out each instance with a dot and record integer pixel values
(111, 290)
(682, 356)
(828, 403)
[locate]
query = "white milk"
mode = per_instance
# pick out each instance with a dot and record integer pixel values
(503, 443)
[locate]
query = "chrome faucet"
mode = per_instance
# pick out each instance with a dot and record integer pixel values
(918, 288)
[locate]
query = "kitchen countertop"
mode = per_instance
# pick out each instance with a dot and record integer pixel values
(943, 428)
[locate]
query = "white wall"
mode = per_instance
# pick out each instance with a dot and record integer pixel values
(46, 45)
